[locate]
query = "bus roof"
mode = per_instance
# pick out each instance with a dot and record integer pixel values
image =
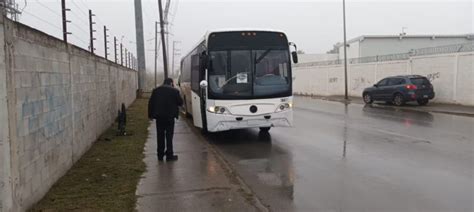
(243, 29)
(206, 36)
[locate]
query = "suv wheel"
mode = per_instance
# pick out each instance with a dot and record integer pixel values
(398, 100)
(368, 98)
(423, 102)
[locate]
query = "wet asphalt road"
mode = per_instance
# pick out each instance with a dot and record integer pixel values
(357, 158)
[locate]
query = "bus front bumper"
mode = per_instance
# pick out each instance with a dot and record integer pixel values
(224, 122)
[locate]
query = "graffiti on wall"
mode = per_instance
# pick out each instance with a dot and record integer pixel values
(432, 77)
(333, 80)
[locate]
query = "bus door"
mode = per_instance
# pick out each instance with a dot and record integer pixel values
(198, 100)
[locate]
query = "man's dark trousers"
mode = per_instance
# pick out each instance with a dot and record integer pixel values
(165, 131)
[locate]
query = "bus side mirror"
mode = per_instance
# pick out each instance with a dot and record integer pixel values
(203, 84)
(294, 55)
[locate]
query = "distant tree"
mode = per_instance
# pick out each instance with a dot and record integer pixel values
(300, 52)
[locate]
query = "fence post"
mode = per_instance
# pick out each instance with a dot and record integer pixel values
(65, 21)
(106, 46)
(121, 54)
(115, 49)
(91, 29)
(126, 57)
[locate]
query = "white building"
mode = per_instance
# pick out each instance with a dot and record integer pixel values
(373, 45)
(307, 58)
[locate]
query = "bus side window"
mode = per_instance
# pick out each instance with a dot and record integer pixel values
(195, 73)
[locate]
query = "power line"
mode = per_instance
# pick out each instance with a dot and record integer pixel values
(175, 11)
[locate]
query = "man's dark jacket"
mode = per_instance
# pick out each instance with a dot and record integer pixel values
(164, 103)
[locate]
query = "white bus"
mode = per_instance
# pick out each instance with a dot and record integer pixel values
(235, 79)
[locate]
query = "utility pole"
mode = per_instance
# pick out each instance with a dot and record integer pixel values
(167, 25)
(162, 28)
(346, 93)
(65, 21)
(140, 44)
(9, 7)
(156, 53)
(91, 30)
(106, 46)
(115, 50)
(174, 54)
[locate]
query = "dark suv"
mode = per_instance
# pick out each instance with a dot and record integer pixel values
(400, 89)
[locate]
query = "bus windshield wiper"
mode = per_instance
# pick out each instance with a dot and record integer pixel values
(264, 54)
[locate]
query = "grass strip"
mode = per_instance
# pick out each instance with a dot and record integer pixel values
(106, 177)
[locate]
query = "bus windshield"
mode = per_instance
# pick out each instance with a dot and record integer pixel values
(247, 74)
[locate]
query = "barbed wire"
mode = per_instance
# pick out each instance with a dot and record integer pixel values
(43, 20)
(456, 48)
(73, 2)
(79, 27)
(48, 8)
(79, 18)
(84, 3)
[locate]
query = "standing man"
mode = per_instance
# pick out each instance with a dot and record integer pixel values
(164, 107)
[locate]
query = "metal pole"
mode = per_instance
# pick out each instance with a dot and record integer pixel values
(346, 93)
(162, 28)
(106, 47)
(156, 54)
(65, 33)
(121, 54)
(126, 57)
(140, 44)
(91, 31)
(115, 49)
(167, 24)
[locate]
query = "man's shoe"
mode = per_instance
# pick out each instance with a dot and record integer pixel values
(160, 158)
(172, 158)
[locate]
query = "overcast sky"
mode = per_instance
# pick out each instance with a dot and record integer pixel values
(315, 25)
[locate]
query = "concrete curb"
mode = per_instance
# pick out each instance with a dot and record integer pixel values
(229, 168)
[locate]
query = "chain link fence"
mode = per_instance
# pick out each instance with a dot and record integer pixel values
(457, 48)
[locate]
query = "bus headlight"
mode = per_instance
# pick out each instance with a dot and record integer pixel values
(283, 107)
(217, 110)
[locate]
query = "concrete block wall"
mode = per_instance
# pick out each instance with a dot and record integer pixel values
(3, 120)
(62, 98)
(452, 76)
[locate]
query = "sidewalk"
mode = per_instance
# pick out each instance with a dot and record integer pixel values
(431, 107)
(198, 181)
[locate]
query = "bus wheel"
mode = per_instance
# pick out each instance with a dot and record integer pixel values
(265, 129)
